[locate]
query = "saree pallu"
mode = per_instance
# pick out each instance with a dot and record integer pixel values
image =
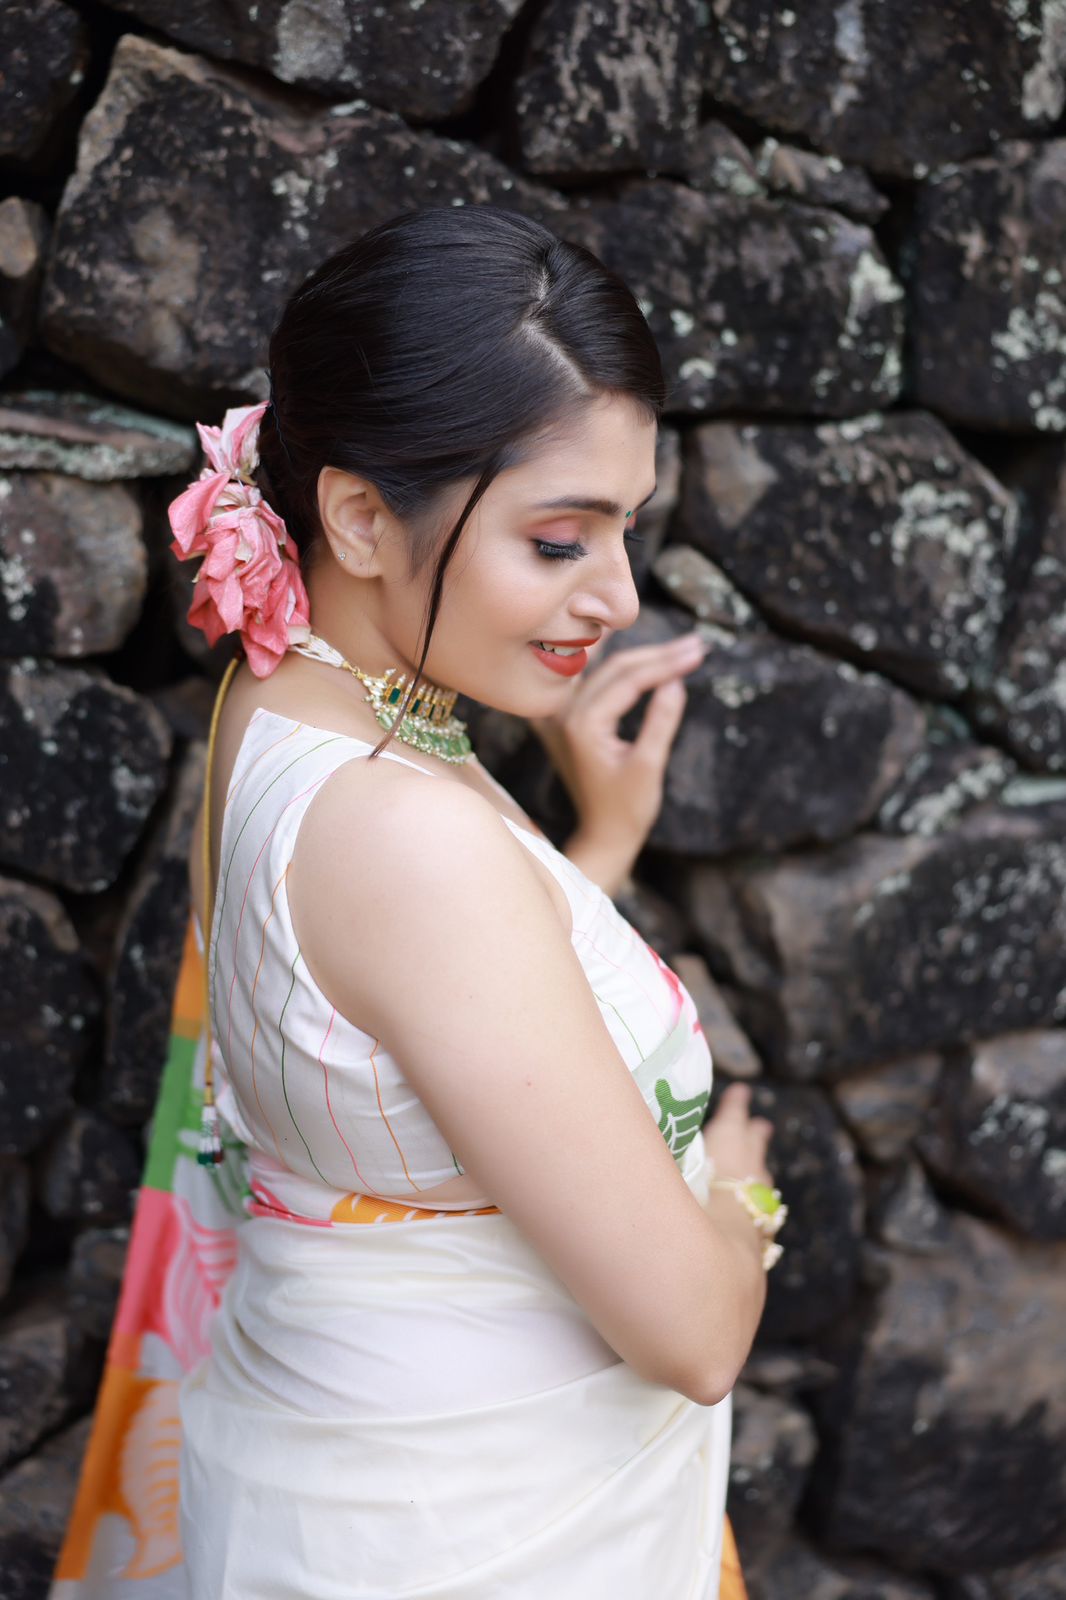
(416, 1408)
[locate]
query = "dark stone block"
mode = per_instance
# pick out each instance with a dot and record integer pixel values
(75, 565)
(813, 1164)
(44, 46)
(82, 436)
(49, 1006)
(424, 61)
(758, 305)
(877, 948)
(897, 88)
(48, 1370)
(984, 266)
(89, 1172)
(94, 1278)
(150, 230)
(901, 544)
(36, 1500)
(943, 1440)
(83, 762)
(606, 89)
(773, 1446)
(148, 949)
(835, 739)
(998, 1136)
(14, 1216)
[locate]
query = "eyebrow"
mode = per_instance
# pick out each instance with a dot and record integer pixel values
(605, 508)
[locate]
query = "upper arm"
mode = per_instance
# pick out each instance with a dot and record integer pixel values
(423, 918)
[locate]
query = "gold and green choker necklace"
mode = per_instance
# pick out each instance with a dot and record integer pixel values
(428, 724)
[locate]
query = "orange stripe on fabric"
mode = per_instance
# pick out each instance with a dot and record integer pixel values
(329, 1105)
(384, 1118)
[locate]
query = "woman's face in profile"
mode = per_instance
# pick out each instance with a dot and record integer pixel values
(527, 571)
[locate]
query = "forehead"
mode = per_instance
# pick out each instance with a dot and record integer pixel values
(604, 463)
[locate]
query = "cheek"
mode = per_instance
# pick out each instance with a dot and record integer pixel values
(505, 592)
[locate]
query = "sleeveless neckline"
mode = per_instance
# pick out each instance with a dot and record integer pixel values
(391, 755)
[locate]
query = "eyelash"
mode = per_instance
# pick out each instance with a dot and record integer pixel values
(574, 551)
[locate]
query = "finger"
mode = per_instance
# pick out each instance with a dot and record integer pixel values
(620, 681)
(734, 1101)
(661, 722)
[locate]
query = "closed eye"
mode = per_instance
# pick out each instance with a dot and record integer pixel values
(575, 550)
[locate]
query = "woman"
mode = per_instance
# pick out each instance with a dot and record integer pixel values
(516, 1379)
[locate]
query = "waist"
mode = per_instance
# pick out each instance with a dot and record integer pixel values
(278, 1192)
(396, 1321)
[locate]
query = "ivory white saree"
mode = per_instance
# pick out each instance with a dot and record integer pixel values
(318, 1389)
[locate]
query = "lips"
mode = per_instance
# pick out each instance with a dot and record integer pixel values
(565, 642)
(567, 666)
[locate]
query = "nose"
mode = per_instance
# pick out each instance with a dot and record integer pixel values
(612, 601)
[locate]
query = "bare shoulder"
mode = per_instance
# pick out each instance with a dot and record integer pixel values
(382, 847)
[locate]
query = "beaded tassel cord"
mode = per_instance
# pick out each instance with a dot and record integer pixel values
(210, 1153)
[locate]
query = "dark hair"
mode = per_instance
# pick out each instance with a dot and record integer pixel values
(445, 343)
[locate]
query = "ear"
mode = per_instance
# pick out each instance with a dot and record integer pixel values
(353, 518)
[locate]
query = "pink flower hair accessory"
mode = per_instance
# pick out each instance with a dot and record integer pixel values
(249, 580)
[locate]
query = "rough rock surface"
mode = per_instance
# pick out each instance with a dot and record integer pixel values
(608, 88)
(933, 941)
(44, 46)
(78, 434)
(950, 1400)
(813, 1163)
(838, 72)
(181, 325)
(797, 1571)
(820, 180)
(36, 1499)
(422, 58)
(998, 1135)
(49, 1007)
(1019, 696)
(984, 267)
(47, 1368)
(885, 1106)
(94, 1278)
(773, 1446)
(14, 1216)
(24, 229)
(89, 1172)
(898, 539)
(760, 305)
(73, 566)
(148, 948)
(839, 739)
(83, 762)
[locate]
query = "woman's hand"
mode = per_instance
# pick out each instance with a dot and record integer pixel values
(736, 1141)
(616, 785)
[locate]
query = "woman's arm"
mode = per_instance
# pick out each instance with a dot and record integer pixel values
(423, 919)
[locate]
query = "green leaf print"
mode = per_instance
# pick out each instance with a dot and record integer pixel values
(679, 1120)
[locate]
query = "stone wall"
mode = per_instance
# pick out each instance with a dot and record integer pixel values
(845, 224)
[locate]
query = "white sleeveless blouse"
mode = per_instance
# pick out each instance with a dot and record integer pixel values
(324, 1107)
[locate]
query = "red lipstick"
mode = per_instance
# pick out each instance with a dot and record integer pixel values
(566, 666)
